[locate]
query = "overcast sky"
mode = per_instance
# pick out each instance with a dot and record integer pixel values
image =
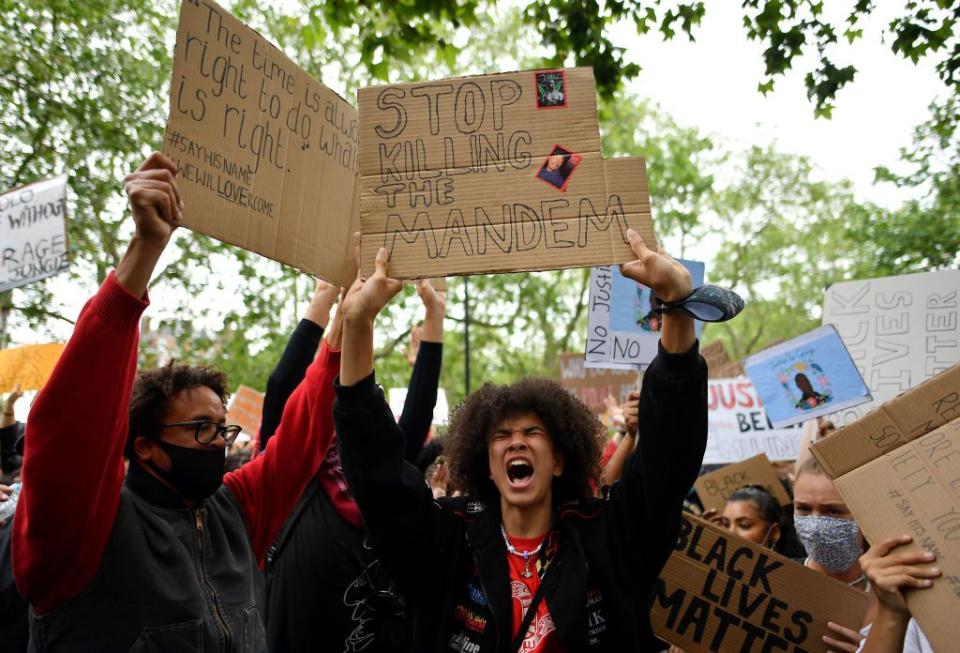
(712, 84)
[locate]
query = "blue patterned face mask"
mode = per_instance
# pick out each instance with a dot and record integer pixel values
(832, 542)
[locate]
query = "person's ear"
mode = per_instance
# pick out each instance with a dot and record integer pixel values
(558, 465)
(143, 447)
(775, 534)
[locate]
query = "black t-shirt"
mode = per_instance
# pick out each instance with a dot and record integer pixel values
(330, 583)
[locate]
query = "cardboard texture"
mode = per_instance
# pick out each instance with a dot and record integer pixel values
(719, 592)
(267, 157)
(899, 330)
(714, 488)
(493, 173)
(914, 413)
(593, 386)
(898, 470)
(33, 233)
(716, 356)
(246, 409)
(29, 366)
(738, 428)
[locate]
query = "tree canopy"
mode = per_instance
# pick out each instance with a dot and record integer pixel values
(86, 94)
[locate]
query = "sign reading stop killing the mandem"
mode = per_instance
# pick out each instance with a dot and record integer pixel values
(33, 232)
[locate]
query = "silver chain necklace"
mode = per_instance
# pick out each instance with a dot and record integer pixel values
(526, 555)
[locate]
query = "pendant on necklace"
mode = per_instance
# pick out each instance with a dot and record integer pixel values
(526, 573)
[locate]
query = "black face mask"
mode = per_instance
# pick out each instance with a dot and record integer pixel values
(194, 473)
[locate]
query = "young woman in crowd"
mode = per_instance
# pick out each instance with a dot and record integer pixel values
(832, 540)
(529, 559)
(754, 514)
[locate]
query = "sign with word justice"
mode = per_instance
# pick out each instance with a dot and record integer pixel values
(738, 428)
(33, 232)
(494, 173)
(266, 156)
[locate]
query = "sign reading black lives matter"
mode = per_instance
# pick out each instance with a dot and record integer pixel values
(720, 592)
(494, 173)
(33, 232)
(267, 157)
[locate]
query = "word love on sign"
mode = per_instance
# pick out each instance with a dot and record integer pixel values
(720, 592)
(33, 233)
(267, 156)
(494, 173)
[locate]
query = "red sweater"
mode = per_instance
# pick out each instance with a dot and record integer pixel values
(73, 461)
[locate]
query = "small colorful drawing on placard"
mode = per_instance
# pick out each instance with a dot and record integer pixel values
(806, 377)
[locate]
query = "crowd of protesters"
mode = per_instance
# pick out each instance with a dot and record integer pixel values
(340, 528)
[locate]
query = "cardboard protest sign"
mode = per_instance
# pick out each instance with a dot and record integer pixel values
(898, 470)
(593, 386)
(396, 397)
(899, 330)
(33, 232)
(246, 409)
(738, 428)
(720, 592)
(267, 157)
(714, 488)
(622, 327)
(806, 377)
(493, 173)
(29, 366)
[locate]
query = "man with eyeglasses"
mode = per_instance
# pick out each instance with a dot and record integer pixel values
(166, 559)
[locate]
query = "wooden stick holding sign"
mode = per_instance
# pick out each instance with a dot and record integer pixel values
(720, 592)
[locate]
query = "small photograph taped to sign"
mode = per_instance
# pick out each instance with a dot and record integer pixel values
(551, 89)
(558, 167)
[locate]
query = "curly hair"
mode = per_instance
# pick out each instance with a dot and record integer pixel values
(153, 389)
(573, 429)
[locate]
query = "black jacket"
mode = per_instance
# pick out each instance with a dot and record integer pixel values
(449, 558)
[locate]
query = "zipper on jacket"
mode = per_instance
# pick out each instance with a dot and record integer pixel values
(211, 592)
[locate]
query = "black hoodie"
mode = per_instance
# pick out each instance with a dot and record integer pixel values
(448, 556)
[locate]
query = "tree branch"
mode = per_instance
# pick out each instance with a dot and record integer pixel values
(391, 346)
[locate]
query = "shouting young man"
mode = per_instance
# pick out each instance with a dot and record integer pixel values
(529, 561)
(165, 559)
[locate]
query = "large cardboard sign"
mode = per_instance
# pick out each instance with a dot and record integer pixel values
(716, 487)
(33, 233)
(246, 409)
(267, 157)
(808, 376)
(899, 330)
(29, 366)
(738, 428)
(494, 173)
(719, 592)
(898, 469)
(622, 327)
(593, 386)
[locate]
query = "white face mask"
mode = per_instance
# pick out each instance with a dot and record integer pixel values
(832, 542)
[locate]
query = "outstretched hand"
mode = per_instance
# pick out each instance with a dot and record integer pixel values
(655, 269)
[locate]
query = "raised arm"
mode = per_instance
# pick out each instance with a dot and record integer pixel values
(614, 469)
(269, 486)
(300, 351)
(396, 503)
(421, 398)
(73, 457)
(672, 432)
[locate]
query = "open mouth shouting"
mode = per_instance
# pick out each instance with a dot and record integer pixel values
(519, 472)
